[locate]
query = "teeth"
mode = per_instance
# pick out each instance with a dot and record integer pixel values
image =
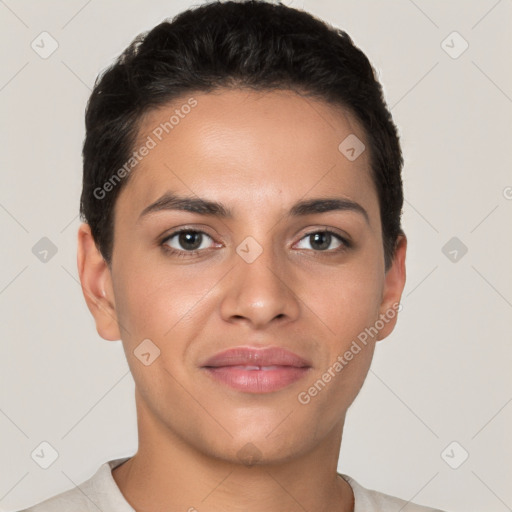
(255, 367)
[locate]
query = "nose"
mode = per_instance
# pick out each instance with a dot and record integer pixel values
(259, 293)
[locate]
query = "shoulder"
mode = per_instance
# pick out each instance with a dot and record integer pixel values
(94, 494)
(64, 502)
(367, 500)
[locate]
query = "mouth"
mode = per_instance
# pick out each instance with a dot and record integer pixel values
(252, 370)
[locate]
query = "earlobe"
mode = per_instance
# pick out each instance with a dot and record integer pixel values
(394, 283)
(96, 282)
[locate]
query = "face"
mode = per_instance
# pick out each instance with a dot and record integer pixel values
(249, 271)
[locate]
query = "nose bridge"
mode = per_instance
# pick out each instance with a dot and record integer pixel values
(258, 289)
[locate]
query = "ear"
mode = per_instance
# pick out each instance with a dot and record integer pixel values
(394, 283)
(96, 282)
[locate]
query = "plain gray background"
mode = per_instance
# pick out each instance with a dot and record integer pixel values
(443, 376)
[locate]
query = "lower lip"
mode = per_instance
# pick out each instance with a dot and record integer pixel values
(257, 381)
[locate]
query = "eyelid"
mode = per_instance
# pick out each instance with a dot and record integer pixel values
(344, 236)
(345, 240)
(312, 231)
(185, 229)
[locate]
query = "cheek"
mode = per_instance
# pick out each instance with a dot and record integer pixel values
(346, 300)
(152, 300)
(348, 307)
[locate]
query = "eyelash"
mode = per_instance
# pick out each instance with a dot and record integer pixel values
(184, 254)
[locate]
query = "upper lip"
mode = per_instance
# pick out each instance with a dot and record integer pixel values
(269, 356)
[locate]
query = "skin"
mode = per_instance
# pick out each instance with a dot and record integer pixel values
(257, 153)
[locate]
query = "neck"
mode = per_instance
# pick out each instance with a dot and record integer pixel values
(167, 472)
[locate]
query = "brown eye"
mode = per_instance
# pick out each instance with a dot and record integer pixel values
(323, 241)
(186, 240)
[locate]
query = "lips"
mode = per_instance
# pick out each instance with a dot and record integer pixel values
(248, 368)
(252, 370)
(253, 358)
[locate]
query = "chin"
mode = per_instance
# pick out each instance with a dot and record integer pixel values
(256, 449)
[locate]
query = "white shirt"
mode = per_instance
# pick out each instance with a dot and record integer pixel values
(101, 492)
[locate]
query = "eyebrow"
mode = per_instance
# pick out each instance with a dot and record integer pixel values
(172, 201)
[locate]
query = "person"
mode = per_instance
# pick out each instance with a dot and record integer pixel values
(242, 236)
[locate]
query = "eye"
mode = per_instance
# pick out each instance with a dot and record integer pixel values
(189, 242)
(186, 241)
(322, 240)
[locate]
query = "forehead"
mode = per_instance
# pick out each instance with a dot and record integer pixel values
(242, 146)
